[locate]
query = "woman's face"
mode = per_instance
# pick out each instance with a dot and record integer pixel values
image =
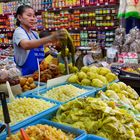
(28, 18)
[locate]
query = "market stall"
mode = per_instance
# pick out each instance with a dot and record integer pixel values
(86, 84)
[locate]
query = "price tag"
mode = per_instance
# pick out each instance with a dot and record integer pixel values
(105, 64)
(57, 81)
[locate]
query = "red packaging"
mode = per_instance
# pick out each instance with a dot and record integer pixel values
(87, 2)
(112, 1)
(100, 1)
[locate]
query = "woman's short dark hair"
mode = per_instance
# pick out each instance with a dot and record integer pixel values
(20, 10)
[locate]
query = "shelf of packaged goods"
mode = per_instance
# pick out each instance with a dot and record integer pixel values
(5, 45)
(83, 7)
(84, 28)
(8, 0)
(4, 30)
(7, 14)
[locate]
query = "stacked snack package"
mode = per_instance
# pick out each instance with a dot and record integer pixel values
(128, 45)
(10, 74)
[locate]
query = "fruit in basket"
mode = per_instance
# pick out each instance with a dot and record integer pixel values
(85, 69)
(27, 83)
(118, 92)
(132, 93)
(122, 85)
(64, 93)
(61, 67)
(30, 80)
(86, 82)
(81, 75)
(103, 71)
(23, 81)
(112, 94)
(92, 73)
(99, 117)
(137, 106)
(33, 85)
(115, 87)
(73, 79)
(94, 69)
(97, 83)
(22, 108)
(43, 132)
(73, 69)
(52, 71)
(102, 78)
(110, 77)
(131, 70)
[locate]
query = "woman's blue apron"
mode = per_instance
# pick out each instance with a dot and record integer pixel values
(30, 65)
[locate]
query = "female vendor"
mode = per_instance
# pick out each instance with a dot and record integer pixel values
(28, 47)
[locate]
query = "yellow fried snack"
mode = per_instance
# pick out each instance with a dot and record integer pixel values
(43, 132)
(22, 108)
(64, 93)
(99, 117)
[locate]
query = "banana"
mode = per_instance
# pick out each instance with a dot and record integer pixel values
(67, 47)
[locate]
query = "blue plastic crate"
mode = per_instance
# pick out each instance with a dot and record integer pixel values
(53, 113)
(89, 91)
(37, 116)
(93, 137)
(41, 83)
(80, 134)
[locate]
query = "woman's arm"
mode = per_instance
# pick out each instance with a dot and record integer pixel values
(30, 44)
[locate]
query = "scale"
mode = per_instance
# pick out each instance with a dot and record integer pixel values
(80, 61)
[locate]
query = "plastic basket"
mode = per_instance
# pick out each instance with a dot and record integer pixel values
(89, 91)
(36, 116)
(50, 115)
(80, 134)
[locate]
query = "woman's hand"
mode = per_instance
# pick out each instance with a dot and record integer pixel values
(59, 35)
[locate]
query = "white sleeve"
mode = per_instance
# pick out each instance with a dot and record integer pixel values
(19, 35)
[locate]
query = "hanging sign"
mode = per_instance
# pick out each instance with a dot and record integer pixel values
(136, 2)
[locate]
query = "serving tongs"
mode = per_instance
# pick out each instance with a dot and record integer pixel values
(24, 134)
(5, 113)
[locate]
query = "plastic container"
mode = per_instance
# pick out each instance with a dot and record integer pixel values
(50, 116)
(37, 116)
(80, 134)
(89, 91)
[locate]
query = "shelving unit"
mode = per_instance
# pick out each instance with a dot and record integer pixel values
(63, 17)
(99, 28)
